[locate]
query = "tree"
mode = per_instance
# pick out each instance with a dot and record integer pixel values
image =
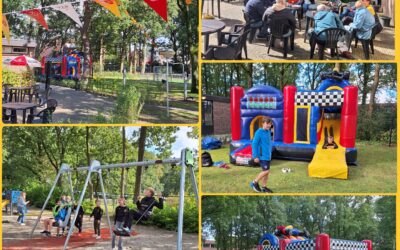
(139, 169)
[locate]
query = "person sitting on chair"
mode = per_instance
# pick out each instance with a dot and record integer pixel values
(59, 214)
(329, 140)
(145, 209)
(279, 11)
(255, 10)
(324, 19)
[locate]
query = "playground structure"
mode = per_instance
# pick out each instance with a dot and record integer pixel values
(68, 66)
(302, 121)
(321, 242)
(186, 161)
(10, 200)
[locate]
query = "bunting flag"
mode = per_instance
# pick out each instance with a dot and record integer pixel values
(160, 6)
(6, 29)
(37, 15)
(68, 10)
(111, 5)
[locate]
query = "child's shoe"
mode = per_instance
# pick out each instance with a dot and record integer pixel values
(98, 237)
(126, 229)
(94, 235)
(268, 190)
(22, 224)
(44, 232)
(48, 234)
(254, 185)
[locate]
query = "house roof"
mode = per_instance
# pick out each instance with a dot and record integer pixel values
(20, 43)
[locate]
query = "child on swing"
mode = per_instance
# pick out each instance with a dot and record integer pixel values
(145, 209)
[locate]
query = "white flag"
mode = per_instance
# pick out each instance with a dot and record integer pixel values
(68, 10)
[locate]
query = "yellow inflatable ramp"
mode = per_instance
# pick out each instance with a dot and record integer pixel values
(5, 203)
(329, 163)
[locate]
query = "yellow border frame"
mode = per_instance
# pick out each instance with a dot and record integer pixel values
(308, 123)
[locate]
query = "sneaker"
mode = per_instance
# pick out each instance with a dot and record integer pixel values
(126, 229)
(254, 185)
(48, 234)
(98, 237)
(94, 235)
(264, 190)
(268, 190)
(59, 235)
(22, 224)
(44, 232)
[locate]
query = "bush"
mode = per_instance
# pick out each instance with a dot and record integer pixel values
(25, 78)
(168, 217)
(88, 206)
(37, 193)
(129, 105)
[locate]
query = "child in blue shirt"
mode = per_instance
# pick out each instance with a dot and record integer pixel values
(261, 151)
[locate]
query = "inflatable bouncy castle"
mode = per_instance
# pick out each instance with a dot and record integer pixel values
(69, 66)
(318, 126)
(288, 241)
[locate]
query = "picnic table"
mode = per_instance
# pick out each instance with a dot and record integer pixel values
(208, 27)
(15, 106)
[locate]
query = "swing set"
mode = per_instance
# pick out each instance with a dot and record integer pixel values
(185, 161)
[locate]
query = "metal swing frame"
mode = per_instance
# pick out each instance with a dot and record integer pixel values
(185, 161)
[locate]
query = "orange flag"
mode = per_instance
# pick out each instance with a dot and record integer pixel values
(6, 29)
(111, 5)
(37, 15)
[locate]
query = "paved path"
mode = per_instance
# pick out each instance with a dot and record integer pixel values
(83, 107)
(231, 14)
(149, 237)
(79, 106)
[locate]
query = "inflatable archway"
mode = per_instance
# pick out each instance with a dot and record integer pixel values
(304, 123)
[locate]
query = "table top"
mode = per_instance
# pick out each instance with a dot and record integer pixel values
(18, 105)
(211, 26)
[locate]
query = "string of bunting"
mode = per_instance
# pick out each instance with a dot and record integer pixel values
(159, 6)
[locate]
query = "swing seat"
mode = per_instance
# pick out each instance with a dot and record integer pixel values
(122, 233)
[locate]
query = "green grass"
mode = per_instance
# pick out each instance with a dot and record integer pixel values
(375, 173)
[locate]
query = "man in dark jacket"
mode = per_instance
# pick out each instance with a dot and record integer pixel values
(255, 8)
(279, 13)
(145, 208)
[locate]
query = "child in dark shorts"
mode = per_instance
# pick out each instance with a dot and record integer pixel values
(261, 151)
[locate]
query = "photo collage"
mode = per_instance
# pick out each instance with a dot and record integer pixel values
(212, 124)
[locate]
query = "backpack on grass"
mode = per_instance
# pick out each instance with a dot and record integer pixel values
(206, 160)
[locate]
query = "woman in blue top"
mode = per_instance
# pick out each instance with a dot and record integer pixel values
(261, 152)
(21, 207)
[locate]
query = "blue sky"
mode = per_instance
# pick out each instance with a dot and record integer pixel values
(182, 140)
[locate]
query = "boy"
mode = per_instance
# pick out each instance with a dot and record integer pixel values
(120, 213)
(97, 213)
(261, 150)
(145, 209)
(79, 219)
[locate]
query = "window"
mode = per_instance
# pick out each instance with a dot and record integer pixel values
(19, 50)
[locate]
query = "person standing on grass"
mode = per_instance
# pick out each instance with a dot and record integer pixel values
(261, 151)
(97, 213)
(21, 207)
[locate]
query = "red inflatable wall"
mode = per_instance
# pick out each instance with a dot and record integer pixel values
(64, 66)
(322, 242)
(289, 93)
(236, 94)
(348, 125)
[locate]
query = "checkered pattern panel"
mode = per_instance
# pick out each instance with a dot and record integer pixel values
(271, 247)
(322, 99)
(54, 59)
(347, 245)
(301, 245)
